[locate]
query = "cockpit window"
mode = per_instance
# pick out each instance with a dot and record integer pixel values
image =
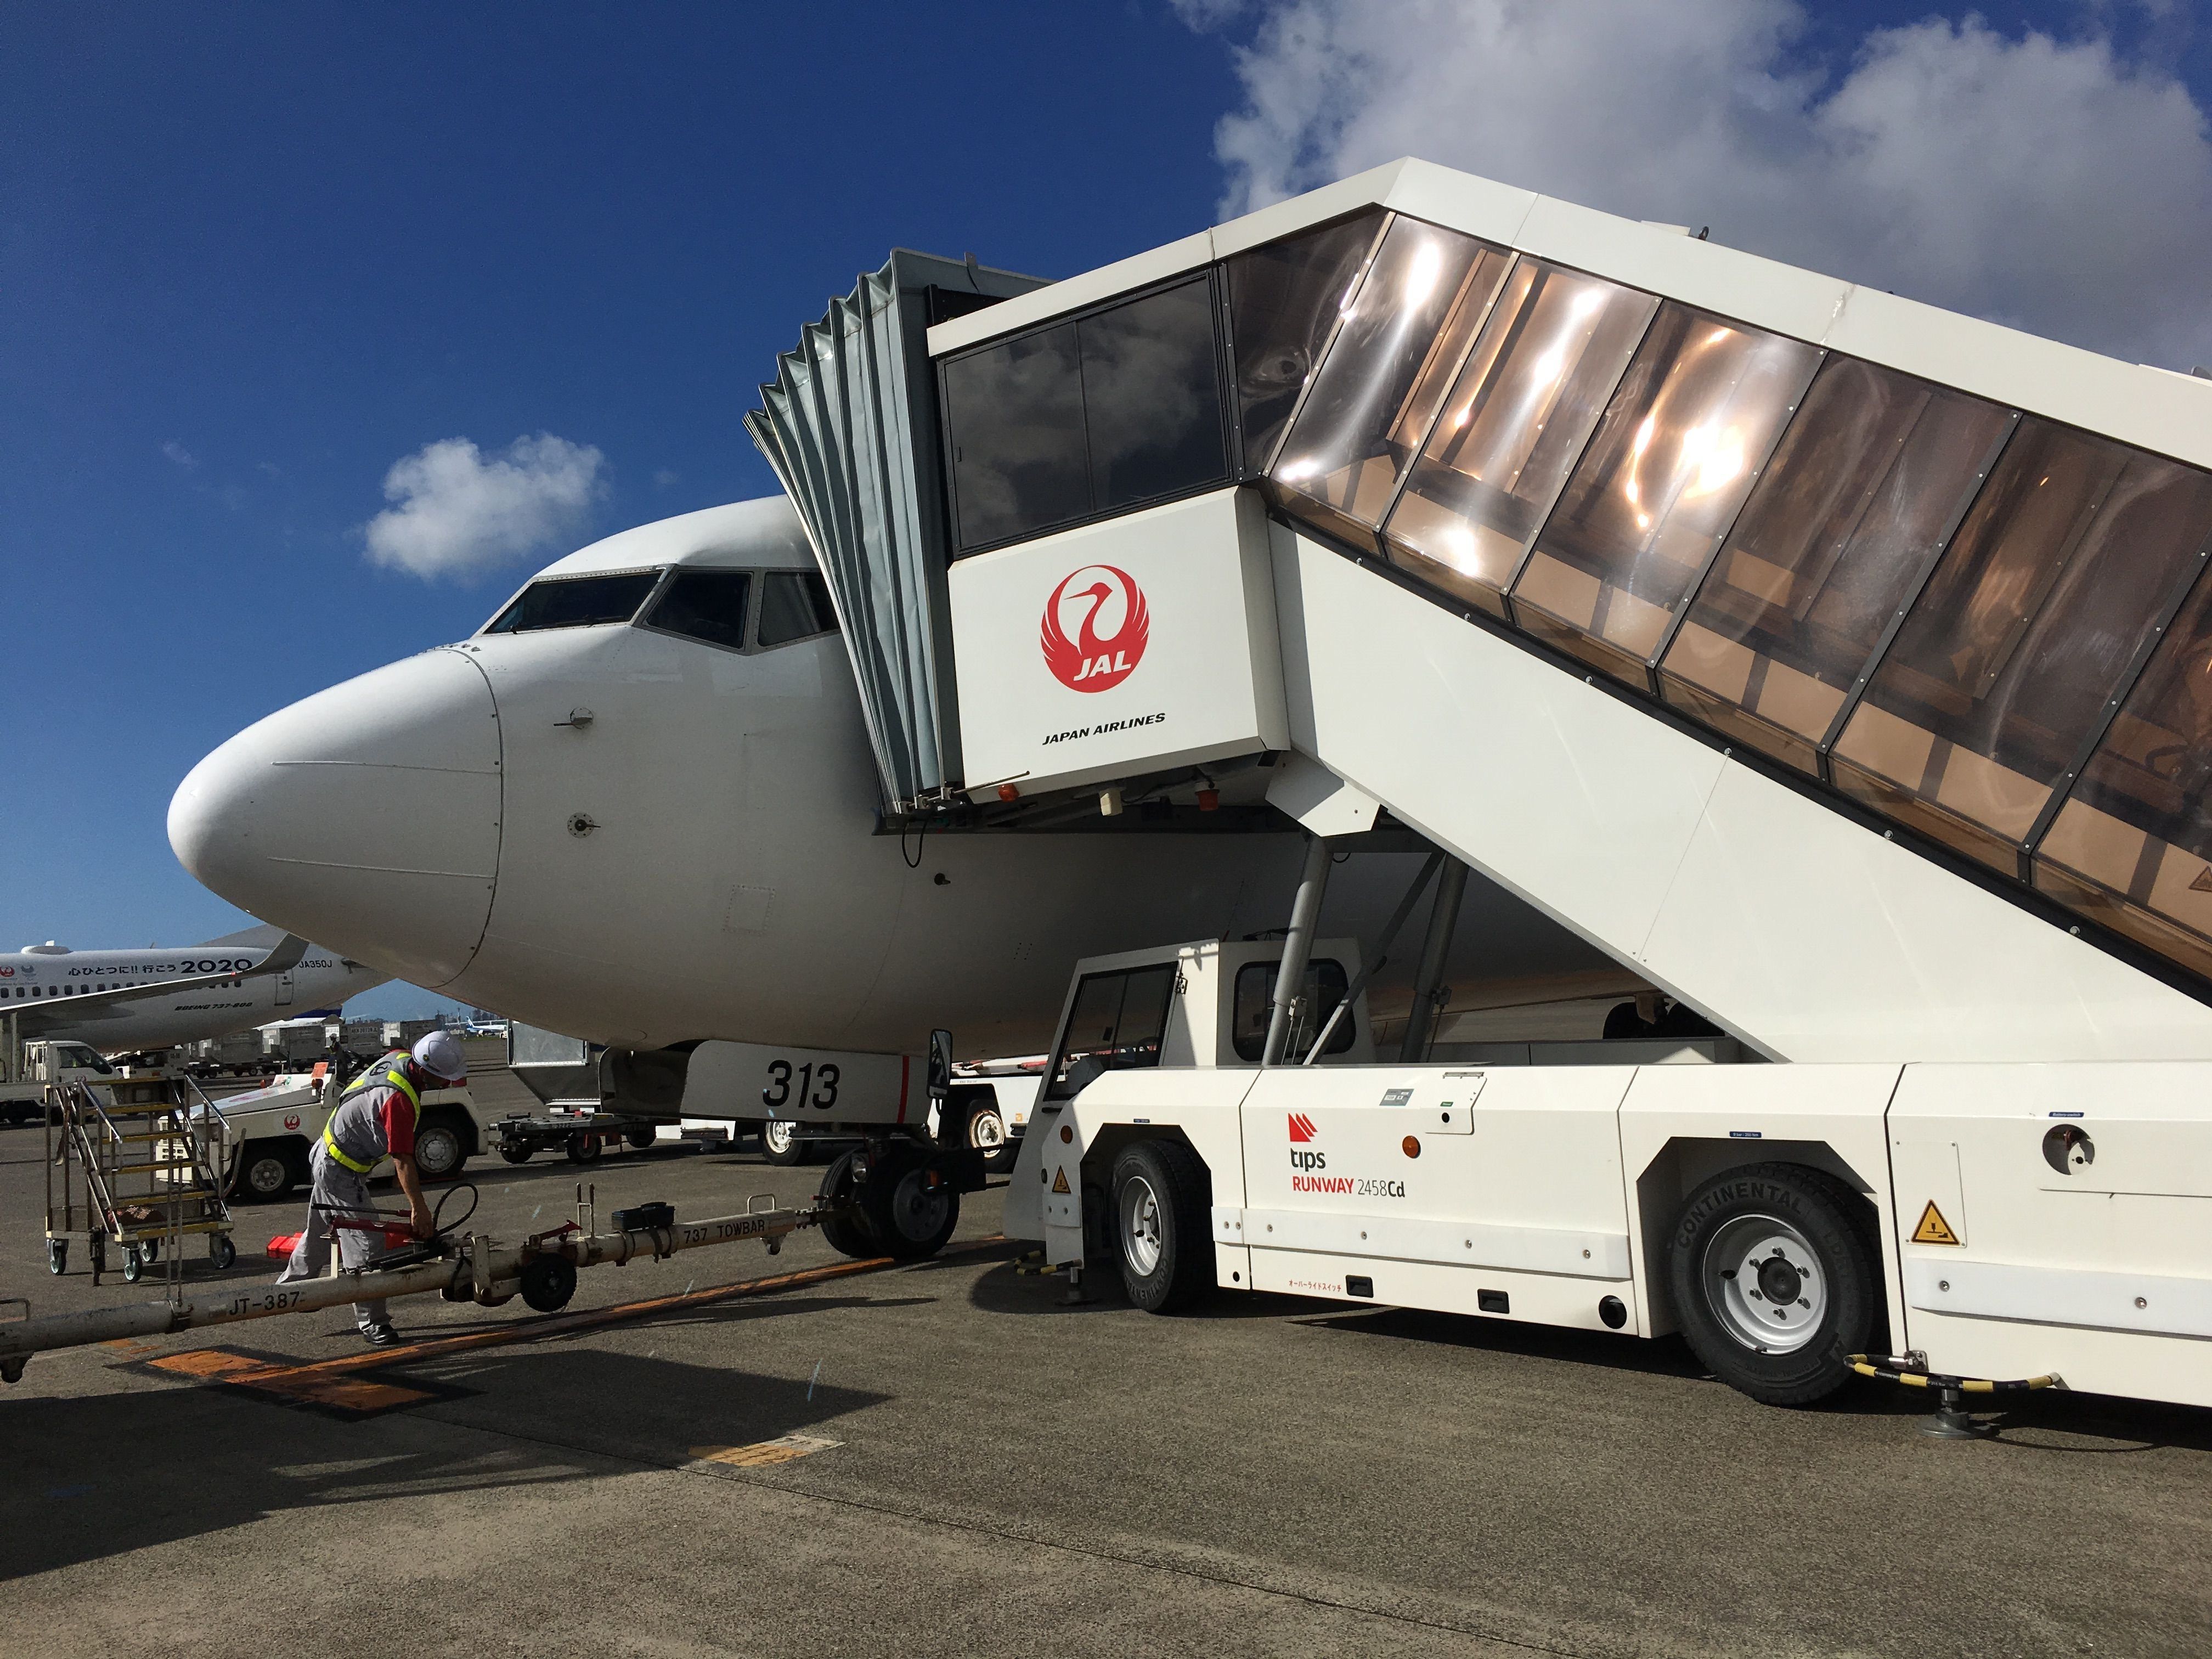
(705, 604)
(793, 604)
(575, 602)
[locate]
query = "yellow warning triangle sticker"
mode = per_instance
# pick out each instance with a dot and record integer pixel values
(1933, 1229)
(1059, 1185)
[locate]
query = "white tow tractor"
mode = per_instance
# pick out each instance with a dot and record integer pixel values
(272, 1130)
(1994, 1224)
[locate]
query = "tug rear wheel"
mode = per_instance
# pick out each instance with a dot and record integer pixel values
(1161, 1201)
(1774, 1281)
(782, 1144)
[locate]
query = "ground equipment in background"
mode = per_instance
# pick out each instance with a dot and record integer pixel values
(141, 1168)
(582, 1136)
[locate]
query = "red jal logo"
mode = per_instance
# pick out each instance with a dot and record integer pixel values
(1095, 629)
(291, 1119)
(1302, 1128)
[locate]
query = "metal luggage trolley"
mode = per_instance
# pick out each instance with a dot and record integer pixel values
(142, 1169)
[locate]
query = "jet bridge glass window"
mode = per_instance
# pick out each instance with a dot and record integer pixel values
(1678, 449)
(1872, 476)
(1096, 415)
(795, 606)
(1254, 1008)
(2131, 846)
(2030, 626)
(1284, 302)
(1372, 400)
(704, 604)
(1115, 1024)
(575, 602)
(1554, 349)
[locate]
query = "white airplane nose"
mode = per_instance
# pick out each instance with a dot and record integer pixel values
(365, 817)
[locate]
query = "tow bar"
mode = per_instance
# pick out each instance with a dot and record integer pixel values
(477, 1268)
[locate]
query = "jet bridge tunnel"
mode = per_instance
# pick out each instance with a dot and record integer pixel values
(1842, 666)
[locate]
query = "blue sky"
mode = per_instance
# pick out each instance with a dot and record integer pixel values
(250, 256)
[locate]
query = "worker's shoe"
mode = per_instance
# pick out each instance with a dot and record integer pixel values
(379, 1336)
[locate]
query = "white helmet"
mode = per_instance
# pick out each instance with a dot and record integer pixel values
(440, 1055)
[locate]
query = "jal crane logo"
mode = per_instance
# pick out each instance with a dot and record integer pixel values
(1095, 629)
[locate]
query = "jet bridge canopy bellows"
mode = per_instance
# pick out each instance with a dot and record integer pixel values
(842, 423)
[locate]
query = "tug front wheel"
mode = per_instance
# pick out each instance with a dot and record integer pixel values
(1162, 1215)
(1774, 1280)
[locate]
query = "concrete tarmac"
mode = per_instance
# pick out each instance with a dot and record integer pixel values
(1006, 1475)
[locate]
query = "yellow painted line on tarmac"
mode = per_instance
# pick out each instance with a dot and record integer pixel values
(781, 1450)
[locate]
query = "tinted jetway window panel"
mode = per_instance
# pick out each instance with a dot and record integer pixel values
(1873, 473)
(1517, 416)
(2026, 632)
(1088, 418)
(1151, 397)
(1421, 301)
(1284, 299)
(1674, 457)
(1015, 413)
(2131, 846)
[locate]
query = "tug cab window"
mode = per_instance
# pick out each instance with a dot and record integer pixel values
(795, 606)
(575, 602)
(705, 604)
(1115, 1024)
(1324, 988)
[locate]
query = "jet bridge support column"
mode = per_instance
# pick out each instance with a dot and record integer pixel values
(1297, 946)
(1443, 917)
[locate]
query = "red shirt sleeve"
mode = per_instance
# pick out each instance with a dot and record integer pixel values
(398, 1124)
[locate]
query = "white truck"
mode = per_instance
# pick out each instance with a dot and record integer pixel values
(272, 1130)
(1991, 1222)
(28, 1067)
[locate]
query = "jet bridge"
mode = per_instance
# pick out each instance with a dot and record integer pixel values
(1834, 662)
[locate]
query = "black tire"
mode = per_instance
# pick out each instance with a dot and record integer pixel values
(583, 1147)
(442, 1147)
(1163, 1222)
(641, 1138)
(58, 1256)
(911, 1204)
(987, 1133)
(1803, 1228)
(548, 1282)
(221, 1253)
(134, 1264)
(848, 1232)
(267, 1172)
(515, 1154)
(782, 1144)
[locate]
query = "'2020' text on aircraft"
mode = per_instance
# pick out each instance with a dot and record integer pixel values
(122, 1000)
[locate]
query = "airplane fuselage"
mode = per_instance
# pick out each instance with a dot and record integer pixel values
(44, 979)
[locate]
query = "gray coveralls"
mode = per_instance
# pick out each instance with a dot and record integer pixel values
(356, 1130)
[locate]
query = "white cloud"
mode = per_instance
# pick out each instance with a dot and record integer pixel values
(665, 477)
(2060, 186)
(458, 512)
(182, 456)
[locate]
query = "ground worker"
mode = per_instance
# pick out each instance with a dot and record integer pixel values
(374, 1118)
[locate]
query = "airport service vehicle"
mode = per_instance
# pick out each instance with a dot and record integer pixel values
(1826, 662)
(29, 1069)
(125, 1001)
(271, 1131)
(1997, 1222)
